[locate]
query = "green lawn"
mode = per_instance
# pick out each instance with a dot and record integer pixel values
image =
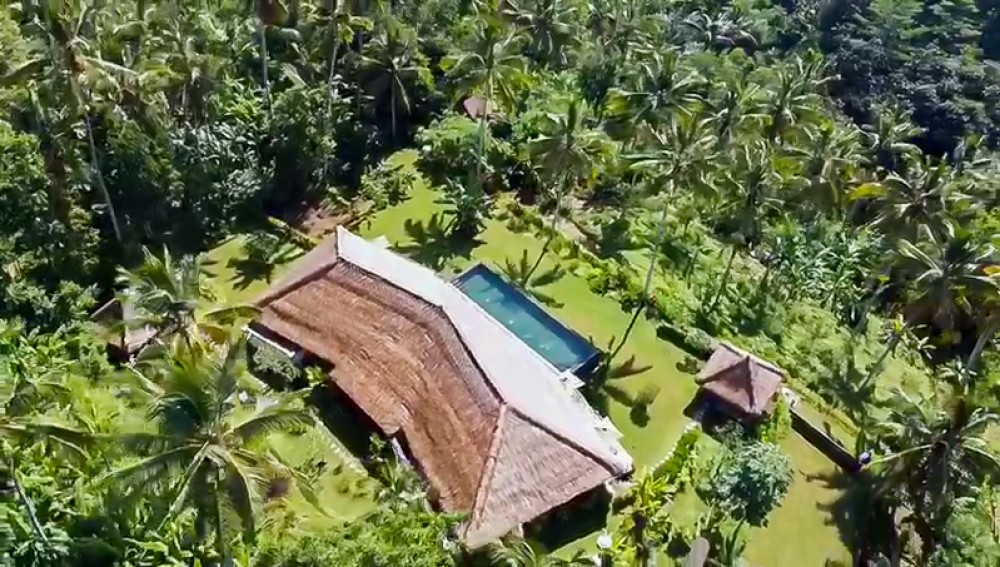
(232, 281)
(802, 532)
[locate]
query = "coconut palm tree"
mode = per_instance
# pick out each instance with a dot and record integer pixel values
(493, 68)
(390, 65)
(944, 273)
(921, 197)
(172, 297)
(934, 454)
(550, 26)
(831, 155)
(662, 89)
(737, 104)
(889, 138)
(749, 193)
(70, 75)
(204, 454)
(793, 97)
(567, 154)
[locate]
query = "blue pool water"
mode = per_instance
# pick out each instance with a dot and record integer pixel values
(565, 349)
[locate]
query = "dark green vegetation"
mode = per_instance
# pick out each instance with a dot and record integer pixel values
(814, 181)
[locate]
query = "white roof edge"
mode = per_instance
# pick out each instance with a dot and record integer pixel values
(494, 346)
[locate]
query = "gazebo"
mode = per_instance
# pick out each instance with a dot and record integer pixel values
(740, 384)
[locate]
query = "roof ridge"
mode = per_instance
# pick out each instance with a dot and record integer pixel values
(489, 467)
(751, 370)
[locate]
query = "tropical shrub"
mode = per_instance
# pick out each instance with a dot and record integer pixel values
(748, 480)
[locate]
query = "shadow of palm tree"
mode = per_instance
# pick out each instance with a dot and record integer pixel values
(519, 271)
(615, 239)
(432, 245)
(250, 270)
(853, 512)
(600, 390)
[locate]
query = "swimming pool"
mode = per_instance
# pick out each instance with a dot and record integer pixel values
(561, 346)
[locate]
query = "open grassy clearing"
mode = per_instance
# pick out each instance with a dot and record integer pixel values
(802, 529)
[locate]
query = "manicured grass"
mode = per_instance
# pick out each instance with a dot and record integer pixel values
(233, 281)
(802, 532)
(341, 488)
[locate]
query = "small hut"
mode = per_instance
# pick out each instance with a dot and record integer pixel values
(475, 106)
(740, 384)
(125, 338)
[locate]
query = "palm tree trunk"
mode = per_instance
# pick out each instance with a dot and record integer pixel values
(95, 164)
(723, 282)
(646, 287)
(262, 30)
(220, 542)
(392, 111)
(483, 120)
(29, 508)
(890, 348)
(553, 227)
(981, 343)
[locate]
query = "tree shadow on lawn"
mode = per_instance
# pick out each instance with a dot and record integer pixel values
(519, 272)
(600, 389)
(248, 271)
(850, 512)
(432, 245)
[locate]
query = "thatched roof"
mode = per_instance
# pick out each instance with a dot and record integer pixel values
(485, 417)
(747, 384)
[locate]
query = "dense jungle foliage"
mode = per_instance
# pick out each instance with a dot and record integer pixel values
(817, 181)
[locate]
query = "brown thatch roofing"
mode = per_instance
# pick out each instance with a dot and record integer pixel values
(747, 384)
(484, 418)
(475, 106)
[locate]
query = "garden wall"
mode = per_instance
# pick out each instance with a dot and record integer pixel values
(826, 444)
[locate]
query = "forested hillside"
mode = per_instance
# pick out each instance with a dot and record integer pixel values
(814, 181)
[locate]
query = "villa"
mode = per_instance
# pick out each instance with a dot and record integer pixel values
(496, 429)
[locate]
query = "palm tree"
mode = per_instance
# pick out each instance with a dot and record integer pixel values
(738, 105)
(920, 198)
(793, 96)
(205, 455)
(662, 89)
(568, 153)
(519, 552)
(944, 273)
(391, 64)
(889, 138)
(934, 454)
(550, 26)
(680, 159)
(268, 13)
(172, 297)
(72, 77)
(750, 194)
(493, 68)
(831, 155)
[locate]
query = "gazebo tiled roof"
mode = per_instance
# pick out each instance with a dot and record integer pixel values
(745, 383)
